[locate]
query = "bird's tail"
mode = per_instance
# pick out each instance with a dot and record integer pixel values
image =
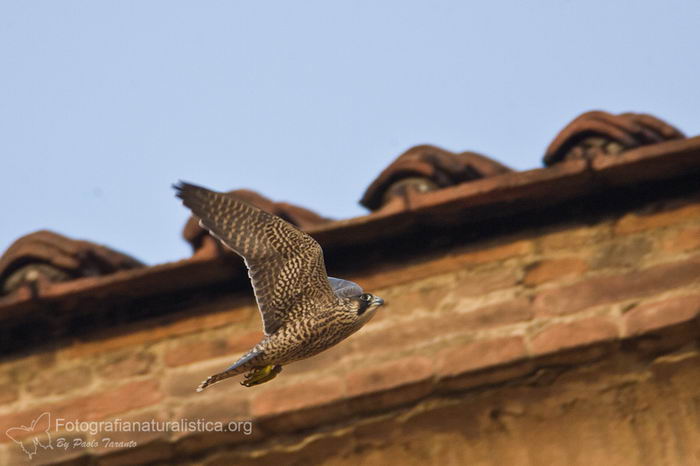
(212, 379)
(238, 367)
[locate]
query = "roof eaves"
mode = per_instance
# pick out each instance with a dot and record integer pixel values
(497, 196)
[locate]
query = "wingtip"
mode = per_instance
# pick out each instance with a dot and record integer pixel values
(178, 189)
(183, 187)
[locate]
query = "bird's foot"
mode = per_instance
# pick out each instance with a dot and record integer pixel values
(261, 375)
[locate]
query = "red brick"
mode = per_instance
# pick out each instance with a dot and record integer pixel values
(125, 364)
(117, 400)
(201, 319)
(384, 400)
(52, 382)
(480, 354)
(210, 348)
(390, 384)
(678, 370)
(392, 374)
(140, 437)
(149, 453)
(198, 442)
(409, 333)
(622, 252)
(216, 408)
(573, 238)
(482, 283)
(494, 315)
(634, 222)
(683, 240)
(186, 353)
(92, 407)
(494, 253)
(390, 276)
(21, 371)
(183, 381)
(487, 376)
(318, 449)
(660, 314)
(553, 269)
(8, 393)
(376, 431)
(405, 301)
(400, 336)
(304, 395)
(225, 407)
(610, 289)
(564, 336)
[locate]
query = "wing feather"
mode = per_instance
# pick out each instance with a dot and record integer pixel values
(283, 262)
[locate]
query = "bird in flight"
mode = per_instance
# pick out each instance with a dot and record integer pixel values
(304, 311)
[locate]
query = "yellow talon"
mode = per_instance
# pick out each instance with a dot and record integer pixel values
(261, 375)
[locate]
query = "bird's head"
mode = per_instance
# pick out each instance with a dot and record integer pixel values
(364, 306)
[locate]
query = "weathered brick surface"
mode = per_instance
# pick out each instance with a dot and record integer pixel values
(660, 314)
(8, 393)
(97, 406)
(622, 253)
(314, 402)
(186, 353)
(573, 238)
(393, 383)
(488, 376)
(310, 394)
(182, 381)
(554, 269)
(140, 437)
(159, 330)
(213, 407)
(686, 239)
(125, 363)
(404, 334)
(517, 310)
(609, 412)
(392, 374)
(148, 453)
(209, 348)
(564, 336)
(458, 260)
(609, 289)
(636, 222)
(480, 354)
(56, 382)
(469, 285)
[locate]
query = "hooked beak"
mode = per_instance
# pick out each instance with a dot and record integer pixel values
(378, 301)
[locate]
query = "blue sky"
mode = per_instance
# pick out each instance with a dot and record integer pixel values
(105, 104)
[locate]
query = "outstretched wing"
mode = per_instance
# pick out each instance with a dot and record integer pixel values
(283, 262)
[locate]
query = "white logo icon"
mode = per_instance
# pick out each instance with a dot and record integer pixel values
(38, 435)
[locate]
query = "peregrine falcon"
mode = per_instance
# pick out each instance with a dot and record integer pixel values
(304, 311)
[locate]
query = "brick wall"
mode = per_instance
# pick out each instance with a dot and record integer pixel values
(568, 340)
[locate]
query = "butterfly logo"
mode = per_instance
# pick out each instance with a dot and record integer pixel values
(38, 433)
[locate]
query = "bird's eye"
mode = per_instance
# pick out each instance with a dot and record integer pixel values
(366, 297)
